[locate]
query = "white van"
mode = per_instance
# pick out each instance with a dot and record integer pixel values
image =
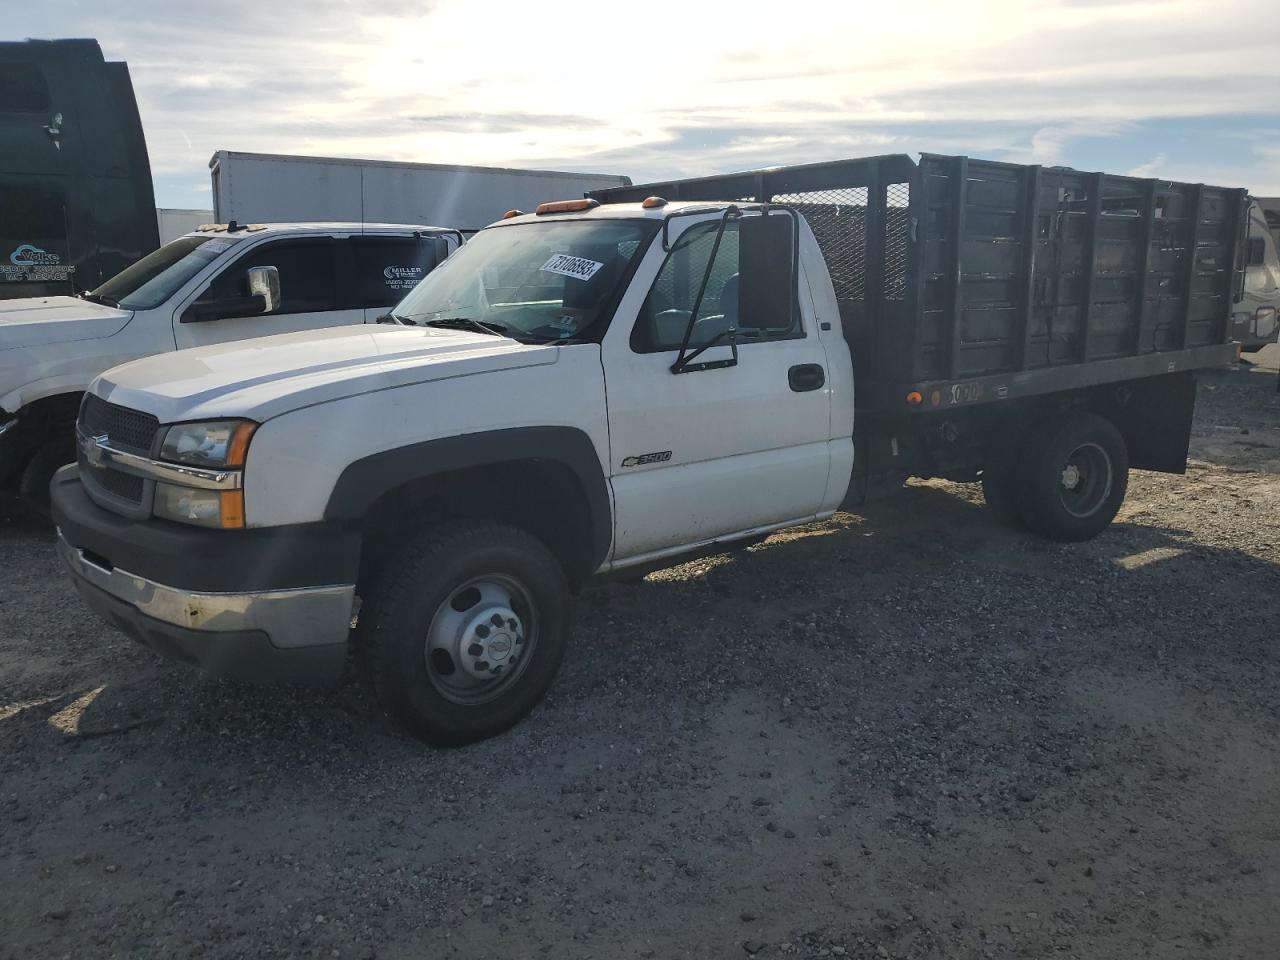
(220, 283)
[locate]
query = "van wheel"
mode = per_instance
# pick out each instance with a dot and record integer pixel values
(461, 635)
(33, 485)
(1074, 479)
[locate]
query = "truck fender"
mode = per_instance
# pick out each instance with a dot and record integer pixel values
(364, 481)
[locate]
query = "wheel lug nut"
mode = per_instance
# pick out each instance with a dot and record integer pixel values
(482, 665)
(482, 631)
(496, 620)
(475, 650)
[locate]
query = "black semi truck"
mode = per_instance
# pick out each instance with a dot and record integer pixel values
(76, 203)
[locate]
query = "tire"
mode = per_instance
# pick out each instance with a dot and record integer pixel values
(33, 484)
(462, 604)
(1073, 479)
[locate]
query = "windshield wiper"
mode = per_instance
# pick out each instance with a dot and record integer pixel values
(466, 323)
(395, 318)
(99, 298)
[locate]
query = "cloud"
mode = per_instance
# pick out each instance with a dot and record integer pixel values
(1111, 85)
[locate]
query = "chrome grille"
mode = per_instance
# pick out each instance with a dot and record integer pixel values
(126, 429)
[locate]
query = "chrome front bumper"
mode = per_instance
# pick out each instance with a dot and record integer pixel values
(277, 634)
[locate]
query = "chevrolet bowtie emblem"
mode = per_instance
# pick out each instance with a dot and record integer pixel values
(94, 452)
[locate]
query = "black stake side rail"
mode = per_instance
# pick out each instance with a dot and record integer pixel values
(979, 280)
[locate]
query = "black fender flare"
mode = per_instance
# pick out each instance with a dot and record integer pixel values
(364, 481)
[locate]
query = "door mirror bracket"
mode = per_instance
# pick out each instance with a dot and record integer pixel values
(684, 358)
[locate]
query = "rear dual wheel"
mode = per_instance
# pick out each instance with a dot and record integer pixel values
(461, 635)
(1067, 482)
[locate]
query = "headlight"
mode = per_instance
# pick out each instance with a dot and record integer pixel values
(216, 444)
(223, 509)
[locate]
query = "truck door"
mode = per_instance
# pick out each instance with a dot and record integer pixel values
(695, 456)
(313, 293)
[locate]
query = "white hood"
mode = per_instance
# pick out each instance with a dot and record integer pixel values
(268, 376)
(38, 321)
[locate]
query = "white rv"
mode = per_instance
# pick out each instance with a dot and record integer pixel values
(1256, 318)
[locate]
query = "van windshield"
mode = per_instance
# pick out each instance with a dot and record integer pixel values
(545, 281)
(157, 276)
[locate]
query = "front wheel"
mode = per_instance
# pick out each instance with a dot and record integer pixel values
(1074, 479)
(33, 484)
(461, 635)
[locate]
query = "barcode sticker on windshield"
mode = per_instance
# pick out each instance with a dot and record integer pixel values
(575, 267)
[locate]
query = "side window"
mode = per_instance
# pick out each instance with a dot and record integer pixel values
(1257, 252)
(307, 275)
(389, 267)
(23, 88)
(667, 310)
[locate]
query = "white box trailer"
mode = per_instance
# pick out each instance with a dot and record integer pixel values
(174, 222)
(262, 187)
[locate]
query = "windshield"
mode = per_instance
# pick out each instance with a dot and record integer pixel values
(156, 277)
(541, 281)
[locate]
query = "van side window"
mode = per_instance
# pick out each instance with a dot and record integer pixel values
(23, 88)
(1257, 252)
(307, 275)
(389, 267)
(664, 317)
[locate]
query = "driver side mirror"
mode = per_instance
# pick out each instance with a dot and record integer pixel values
(264, 297)
(767, 271)
(265, 282)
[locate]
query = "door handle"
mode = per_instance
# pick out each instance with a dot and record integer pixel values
(804, 377)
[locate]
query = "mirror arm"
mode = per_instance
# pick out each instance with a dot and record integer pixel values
(683, 357)
(689, 367)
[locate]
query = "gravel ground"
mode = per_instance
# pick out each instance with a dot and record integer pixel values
(912, 734)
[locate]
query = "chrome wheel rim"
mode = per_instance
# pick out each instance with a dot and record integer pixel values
(1085, 480)
(481, 639)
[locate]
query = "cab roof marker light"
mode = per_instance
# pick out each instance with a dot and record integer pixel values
(512, 213)
(566, 206)
(650, 203)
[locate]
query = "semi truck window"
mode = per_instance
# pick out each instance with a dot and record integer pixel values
(307, 275)
(1257, 254)
(665, 314)
(389, 267)
(23, 88)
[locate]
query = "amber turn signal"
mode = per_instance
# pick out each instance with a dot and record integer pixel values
(567, 206)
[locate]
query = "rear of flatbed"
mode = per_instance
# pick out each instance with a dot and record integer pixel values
(988, 305)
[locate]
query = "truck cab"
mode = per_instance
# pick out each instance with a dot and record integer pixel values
(221, 283)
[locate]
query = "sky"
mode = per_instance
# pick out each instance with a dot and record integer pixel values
(670, 88)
